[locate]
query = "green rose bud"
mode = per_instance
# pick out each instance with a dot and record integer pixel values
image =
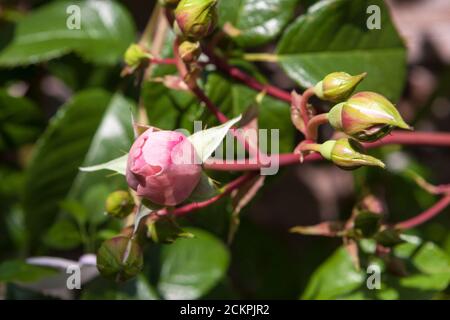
(366, 116)
(189, 51)
(366, 224)
(135, 55)
(196, 18)
(120, 258)
(388, 237)
(337, 86)
(119, 204)
(347, 154)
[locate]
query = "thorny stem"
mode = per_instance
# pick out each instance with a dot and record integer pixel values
(435, 139)
(200, 94)
(397, 137)
(194, 88)
(428, 214)
(313, 125)
(233, 185)
(163, 61)
(245, 78)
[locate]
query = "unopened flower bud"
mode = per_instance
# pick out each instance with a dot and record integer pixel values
(366, 116)
(120, 258)
(348, 154)
(135, 55)
(337, 86)
(119, 204)
(163, 167)
(189, 51)
(196, 18)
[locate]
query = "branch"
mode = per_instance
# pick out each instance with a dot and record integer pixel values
(200, 94)
(435, 139)
(245, 78)
(439, 139)
(233, 185)
(430, 213)
(182, 70)
(169, 61)
(312, 127)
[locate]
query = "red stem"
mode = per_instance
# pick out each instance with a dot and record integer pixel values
(437, 139)
(304, 104)
(200, 94)
(163, 61)
(209, 104)
(428, 214)
(245, 78)
(313, 126)
(397, 137)
(233, 185)
(194, 88)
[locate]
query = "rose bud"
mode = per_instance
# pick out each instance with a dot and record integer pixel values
(366, 116)
(120, 258)
(163, 167)
(119, 204)
(135, 55)
(196, 18)
(347, 154)
(189, 51)
(337, 86)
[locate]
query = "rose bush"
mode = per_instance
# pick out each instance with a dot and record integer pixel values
(305, 88)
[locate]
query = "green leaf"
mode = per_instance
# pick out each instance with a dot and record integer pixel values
(430, 266)
(334, 278)
(20, 121)
(169, 109)
(105, 32)
(206, 141)
(63, 235)
(257, 21)
(234, 99)
(19, 271)
(76, 210)
(416, 270)
(118, 165)
(92, 128)
(333, 36)
(192, 267)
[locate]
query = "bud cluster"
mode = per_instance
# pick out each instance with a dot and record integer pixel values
(364, 117)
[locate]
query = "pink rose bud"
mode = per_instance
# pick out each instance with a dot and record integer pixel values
(163, 167)
(366, 116)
